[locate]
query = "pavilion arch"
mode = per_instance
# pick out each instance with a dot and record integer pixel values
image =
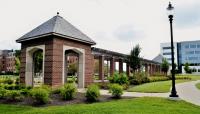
(29, 71)
(81, 64)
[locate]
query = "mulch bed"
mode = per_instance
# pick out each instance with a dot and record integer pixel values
(56, 100)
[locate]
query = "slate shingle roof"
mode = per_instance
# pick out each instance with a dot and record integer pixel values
(57, 26)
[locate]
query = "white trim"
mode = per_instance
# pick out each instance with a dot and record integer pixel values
(29, 64)
(81, 52)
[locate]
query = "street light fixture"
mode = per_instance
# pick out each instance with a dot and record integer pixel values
(170, 9)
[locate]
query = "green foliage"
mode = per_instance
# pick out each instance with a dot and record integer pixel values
(8, 81)
(92, 93)
(158, 78)
(72, 68)
(13, 95)
(116, 90)
(138, 78)
(39, 95)
(38, 60)
(187, 68)
(17, 65)
(134, 58)
(68, 91)
(2, 92)
(165, 66)
(17, 81)
(119, 79)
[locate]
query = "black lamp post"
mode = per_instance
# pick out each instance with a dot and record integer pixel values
(173, 91)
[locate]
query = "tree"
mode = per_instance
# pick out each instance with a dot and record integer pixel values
(17, 65)
(165, 66)
(134, 58)
(187, 68)
(72, 68)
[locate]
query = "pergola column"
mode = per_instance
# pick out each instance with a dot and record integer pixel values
(120, 66)
(127, 69)
(101, 68)
(146, 68)
(112, 66)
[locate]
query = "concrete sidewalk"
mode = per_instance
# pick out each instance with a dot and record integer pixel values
(188, 92)
(132, 94)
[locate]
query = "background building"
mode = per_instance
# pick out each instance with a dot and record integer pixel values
(184, 52)
(7, 61)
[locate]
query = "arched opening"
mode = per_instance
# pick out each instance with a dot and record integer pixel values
(71, 66)
(38, 67)
(34, 74)
(76, 56)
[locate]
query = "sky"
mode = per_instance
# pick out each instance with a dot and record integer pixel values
(115, 25)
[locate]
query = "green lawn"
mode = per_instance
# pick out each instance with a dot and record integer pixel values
(154, 87)
(198, 85)
(146, 105)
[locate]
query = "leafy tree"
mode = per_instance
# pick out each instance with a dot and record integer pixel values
(38, 61)
(187, 68)
(134, 58)
(165, 66)
(17, 64)
(72, 68)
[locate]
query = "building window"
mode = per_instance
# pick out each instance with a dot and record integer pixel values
(189, 52)
(167, 53)
(192, 46)
(166, 47)
(198, 45)
(186, 46)
(197, 52)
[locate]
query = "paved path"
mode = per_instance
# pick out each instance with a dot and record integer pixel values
(188, 92)
(132, 94)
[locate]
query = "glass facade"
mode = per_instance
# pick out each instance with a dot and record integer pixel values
(189, 52)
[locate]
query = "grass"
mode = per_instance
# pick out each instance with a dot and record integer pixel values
(146, 105)
(194, 77)
(197, 85)
(154, 87)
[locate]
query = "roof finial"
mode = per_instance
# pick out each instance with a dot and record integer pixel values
(57, 13)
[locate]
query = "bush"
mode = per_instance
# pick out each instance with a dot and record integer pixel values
(56, 91)
(68, 91)
(92, 93)
(39, 95)
(119, 79)
(116, 90)
(13, 95)
(8, 81)
(2, 92)
(139, 78)
(160, 78)
(17, 81)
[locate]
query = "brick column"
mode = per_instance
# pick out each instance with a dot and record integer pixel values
(127, 69)
(101, 68)
(112, 66)
(120, 66)
(150, 69)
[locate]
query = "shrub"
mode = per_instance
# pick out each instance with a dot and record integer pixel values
(46, 87)
(139, 78)
(116, 90)
(160, 78)
(92, 93)
(68, 91)
(17, 81)
(56, 91)
(13, 95)
(119, 79)
(2, 92)
(8, 81)
(25, 91)
(39, 95)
